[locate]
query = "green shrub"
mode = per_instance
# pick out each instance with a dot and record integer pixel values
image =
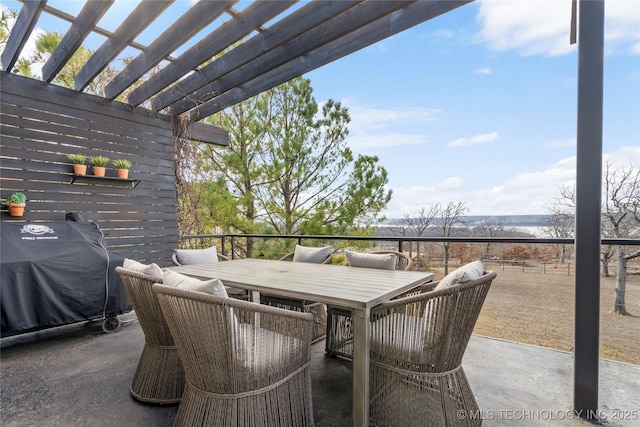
(122, 164)
(77, 159)
(99, 160)
(17, 197)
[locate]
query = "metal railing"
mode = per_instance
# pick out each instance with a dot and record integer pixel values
(226, 240)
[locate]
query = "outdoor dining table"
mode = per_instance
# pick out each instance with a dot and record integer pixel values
(359, 289)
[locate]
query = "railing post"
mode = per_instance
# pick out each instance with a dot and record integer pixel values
(588, 207)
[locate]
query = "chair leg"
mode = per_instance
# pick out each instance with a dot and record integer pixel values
(339, 333)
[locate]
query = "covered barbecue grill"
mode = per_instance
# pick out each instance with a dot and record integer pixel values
(58, 273)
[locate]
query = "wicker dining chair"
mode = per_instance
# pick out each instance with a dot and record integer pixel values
(159, 377)
(202, 256)
(417, 345)
(246, 364)
(322, 255)
(339, 331)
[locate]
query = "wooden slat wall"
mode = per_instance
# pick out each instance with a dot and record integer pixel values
(40, 124)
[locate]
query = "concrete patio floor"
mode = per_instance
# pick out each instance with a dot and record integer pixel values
(79, 376)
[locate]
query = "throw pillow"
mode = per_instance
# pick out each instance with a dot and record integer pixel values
(466, 273)
(197, 256)
(315, 255)
(380, 261)
(177, 280)
(152, 270)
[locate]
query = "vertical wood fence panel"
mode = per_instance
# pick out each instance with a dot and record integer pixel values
(40, 124)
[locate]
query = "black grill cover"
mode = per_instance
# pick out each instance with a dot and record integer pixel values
(57, 273)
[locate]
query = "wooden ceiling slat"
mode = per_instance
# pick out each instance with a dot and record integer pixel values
(360, 38)
(196, 18)
(89, 16)
(353, 18)
(133, 25)
(312, 14)
(226, 35)
(26, 20)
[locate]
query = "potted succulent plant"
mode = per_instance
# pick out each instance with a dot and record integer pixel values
(122, 167)
(78, 162)
(16, 203)
(99, 164)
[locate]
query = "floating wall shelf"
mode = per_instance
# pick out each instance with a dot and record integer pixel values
(105, 180)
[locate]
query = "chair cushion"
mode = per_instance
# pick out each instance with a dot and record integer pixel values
(149, 269)
(197, 256)
(315, 255)
(467, 272)
(177, 280)
(380, 261)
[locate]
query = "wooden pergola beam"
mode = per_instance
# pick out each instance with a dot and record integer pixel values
(185, 27)
(82, 26)
(26, 20)
(316, 37)
(134, 24)
(364, 36)
(291, 26)
(228, 33)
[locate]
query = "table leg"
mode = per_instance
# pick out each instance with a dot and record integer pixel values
(361, 338)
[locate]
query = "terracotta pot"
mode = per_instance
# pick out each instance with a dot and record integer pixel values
(16, 209)
(99, 170)
(123, 173)
(80, 169)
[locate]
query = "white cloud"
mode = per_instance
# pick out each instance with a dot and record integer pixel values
(561, 143)
(376, 118)
(622, 26)
(475, 139)
(625, 155)
(526, 193)
(386, 127)
(532, 27)
(542, 27)
(483, 71)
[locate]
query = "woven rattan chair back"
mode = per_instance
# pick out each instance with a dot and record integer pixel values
(339, 328)
(159, 377)
(246, 364)
(417, 345)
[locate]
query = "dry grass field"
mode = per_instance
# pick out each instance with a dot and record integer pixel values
(536, 308)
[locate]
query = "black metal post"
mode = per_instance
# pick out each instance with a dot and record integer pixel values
(588, 207)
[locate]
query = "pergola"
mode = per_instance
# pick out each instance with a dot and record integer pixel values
(254, 49)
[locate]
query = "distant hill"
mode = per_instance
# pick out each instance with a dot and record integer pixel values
(509, 220)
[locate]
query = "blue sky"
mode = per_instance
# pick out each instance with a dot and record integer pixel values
(477, 105)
